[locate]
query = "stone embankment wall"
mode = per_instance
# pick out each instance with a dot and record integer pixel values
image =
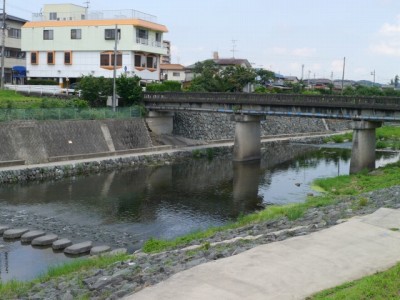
(216, 126)
(40, 141)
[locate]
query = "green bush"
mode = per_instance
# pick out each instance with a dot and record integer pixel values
(41, 82)
(165, 86)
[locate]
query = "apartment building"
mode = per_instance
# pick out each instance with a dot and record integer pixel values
(67, 41)
(166, 59)
(13, 56)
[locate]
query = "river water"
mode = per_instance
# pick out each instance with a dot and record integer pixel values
(166, 201)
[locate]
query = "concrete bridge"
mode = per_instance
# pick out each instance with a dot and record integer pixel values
(367, 114)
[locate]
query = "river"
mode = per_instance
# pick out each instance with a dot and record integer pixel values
(132, 205)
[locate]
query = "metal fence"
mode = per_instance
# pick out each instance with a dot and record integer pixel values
(69, 113)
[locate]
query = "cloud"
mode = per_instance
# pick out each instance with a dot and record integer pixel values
(390, 29)
(297, 52)
(389, 40)
(389, 48)
(304, 52)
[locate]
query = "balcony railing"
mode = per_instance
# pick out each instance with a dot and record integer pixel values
(143, 41)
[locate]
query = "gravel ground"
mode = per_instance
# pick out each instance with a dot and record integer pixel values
(143, 270)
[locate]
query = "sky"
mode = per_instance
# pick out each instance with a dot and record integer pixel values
(281, 36)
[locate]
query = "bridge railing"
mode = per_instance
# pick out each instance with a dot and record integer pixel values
(391, 103)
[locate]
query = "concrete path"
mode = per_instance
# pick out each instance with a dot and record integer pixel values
(294, 268)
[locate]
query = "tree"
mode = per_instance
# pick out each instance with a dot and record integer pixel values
(165, 86)
(129, 89)
(206, 77)
(209, 77)
(237, 77)
(95, 89)
(264, 76)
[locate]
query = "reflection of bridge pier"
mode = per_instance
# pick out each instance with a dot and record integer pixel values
(363, 151)
(246, 178)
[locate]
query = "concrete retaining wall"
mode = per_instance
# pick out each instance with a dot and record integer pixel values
(40, 141)
(216, 126)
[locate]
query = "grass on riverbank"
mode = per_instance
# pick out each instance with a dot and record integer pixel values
(13, 289)
(362, 182)
(387, 137)
(291, 211)
(383, 285)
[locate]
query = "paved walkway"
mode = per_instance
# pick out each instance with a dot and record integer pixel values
(294, 268)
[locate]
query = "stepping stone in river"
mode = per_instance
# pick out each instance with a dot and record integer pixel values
(45, 240)
(14, 233)
(99, 250)
(61, 244)
(3, 228)
(79, 248)
(31, 235)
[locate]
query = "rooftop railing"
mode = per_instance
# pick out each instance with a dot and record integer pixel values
(95, 15)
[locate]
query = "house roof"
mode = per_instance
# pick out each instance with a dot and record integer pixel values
(177, 67)
(291, 78)
(134, 22)
(13, 18)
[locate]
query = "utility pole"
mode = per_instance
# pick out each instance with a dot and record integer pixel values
(3, 45)
(114, 96)
(344, 67)
(233, 48)
(373, 73)
(302, 71)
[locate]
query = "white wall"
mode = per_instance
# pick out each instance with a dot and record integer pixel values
(83, 64)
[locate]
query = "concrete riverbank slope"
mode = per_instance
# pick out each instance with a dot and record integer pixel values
(30, 142)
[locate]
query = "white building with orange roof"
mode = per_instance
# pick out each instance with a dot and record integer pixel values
(67, 41)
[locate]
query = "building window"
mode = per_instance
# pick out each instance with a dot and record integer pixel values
(50, 58)
(176, 74)
(107, 60)
(48, 34)
(76, 34)
(34, 58)
(109, 34)
(68, 58)
(151, 62)
(14, 33)
(53, 16)
(142, 36)
(138, 61)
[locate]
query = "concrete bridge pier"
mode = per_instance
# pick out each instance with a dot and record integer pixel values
(160, 122)
(247, 138)
(363, 151)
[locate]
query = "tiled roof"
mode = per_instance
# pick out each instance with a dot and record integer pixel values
(172, 67)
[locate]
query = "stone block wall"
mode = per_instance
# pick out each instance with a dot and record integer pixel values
(216, 126)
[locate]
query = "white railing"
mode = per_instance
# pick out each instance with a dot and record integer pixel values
(36, 89)
(97, 15)
(142, 41)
